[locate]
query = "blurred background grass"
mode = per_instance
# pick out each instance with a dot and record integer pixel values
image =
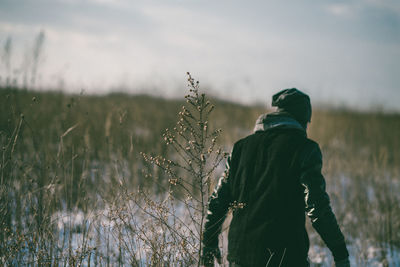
(67, 153)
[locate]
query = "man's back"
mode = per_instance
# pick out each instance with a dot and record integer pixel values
(264, 179)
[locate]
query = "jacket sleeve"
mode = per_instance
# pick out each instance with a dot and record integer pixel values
(217, 209)
(317, 203)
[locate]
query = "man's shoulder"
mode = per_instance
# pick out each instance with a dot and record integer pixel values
(292, 134)
(246, 139)
(311, 143)
(242, 141)
(311, 152)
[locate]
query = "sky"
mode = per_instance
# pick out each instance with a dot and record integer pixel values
(342, 53)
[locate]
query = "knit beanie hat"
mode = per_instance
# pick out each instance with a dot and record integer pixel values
(294, 102)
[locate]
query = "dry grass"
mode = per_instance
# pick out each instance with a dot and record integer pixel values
(71, 171)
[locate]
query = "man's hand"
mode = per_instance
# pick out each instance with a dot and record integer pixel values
(342, 263)
(209, 254)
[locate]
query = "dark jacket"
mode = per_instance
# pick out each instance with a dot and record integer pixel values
(272, 178)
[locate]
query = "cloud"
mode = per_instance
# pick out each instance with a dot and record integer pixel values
(108, 3)
(244, 51)
(13, 28)
(388, 5)
(341, 9)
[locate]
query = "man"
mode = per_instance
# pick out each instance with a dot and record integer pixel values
(272, 178)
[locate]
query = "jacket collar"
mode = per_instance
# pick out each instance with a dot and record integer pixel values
(281, 120)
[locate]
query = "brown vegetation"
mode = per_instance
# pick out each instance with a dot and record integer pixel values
(71, 171)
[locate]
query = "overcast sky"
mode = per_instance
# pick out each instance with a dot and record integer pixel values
(340, 52)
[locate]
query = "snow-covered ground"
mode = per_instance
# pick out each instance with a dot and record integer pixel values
(102, 233)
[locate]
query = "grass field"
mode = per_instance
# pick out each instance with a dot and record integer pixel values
(72, 164)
